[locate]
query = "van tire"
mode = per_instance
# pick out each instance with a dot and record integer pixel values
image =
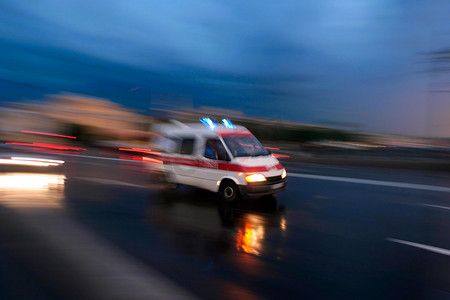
(169, 183)
(229, 191)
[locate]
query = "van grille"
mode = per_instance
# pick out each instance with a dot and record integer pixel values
(269, 181)
(274, 179)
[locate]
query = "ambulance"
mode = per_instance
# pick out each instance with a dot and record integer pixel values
(218, 157)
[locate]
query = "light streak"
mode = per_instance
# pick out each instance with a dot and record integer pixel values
(280, 155)
(136, 150)
(26, 163)
(51, 134)
(30, 181)
(249, 145)
(31, 161)
(38, 159)
(44, 145)
(148, 159)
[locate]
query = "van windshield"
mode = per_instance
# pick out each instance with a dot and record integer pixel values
(245, 146)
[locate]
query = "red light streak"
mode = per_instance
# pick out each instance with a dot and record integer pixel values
(49, 146)
(131, 157)
(272, 148)
(148, 159)
(42, 150)
(280, 155)
(136, 150)
(248, 145)
(51, 134)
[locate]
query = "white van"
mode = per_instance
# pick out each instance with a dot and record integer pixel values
(220, 158)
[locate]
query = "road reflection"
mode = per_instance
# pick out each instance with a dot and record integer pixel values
(251, 220)
(250, 238)
(31, 190)
(227, 228)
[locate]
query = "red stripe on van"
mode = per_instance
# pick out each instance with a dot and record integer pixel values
(243, 132)
(212, 164)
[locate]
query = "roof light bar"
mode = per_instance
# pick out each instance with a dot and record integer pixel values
(228, 123)
(208, 122)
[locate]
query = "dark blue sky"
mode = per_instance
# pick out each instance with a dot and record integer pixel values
(360, 63)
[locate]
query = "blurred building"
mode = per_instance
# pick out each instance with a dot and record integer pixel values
(89, 119)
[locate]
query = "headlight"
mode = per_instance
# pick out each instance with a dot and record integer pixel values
(255, 178)
(284, 174)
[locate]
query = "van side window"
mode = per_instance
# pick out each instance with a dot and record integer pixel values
(214, 149)
(187, 146)
(167, 144)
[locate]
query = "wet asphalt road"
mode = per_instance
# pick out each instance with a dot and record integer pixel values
(320, 239)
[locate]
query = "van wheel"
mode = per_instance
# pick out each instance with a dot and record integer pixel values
(169, 183)
(229, 191)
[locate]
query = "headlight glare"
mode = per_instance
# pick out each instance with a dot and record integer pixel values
(255, 178)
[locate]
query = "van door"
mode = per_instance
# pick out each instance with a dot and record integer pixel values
(212, 164)
(184, 165)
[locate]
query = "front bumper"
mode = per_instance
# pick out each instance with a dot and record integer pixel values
(264, 188)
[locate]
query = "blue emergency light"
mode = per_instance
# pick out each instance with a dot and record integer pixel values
(228, 123)
(208, 122)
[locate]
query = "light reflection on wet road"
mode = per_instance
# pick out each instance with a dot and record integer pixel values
(31, 190)
(319, 239)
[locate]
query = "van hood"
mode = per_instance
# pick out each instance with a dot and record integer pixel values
(269, 162)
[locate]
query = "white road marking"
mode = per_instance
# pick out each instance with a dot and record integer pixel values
(435, 206)
(375, 182)
(320, 177)
(109, 181)
(105, 158)
(421, 246)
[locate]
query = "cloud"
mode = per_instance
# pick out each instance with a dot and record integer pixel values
(324, 57)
